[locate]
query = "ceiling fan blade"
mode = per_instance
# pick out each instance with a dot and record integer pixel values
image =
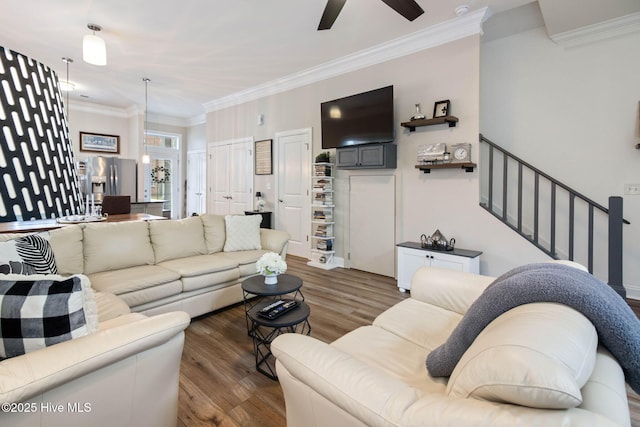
(331, 12)
(407, 8)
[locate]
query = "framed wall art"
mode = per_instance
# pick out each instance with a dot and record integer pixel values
(442, 108)
(264, 157)
(99, 143)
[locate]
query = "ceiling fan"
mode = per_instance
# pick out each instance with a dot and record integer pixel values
(407, 8)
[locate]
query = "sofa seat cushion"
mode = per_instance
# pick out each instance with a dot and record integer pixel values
(109, 306)
(388, 352)
(425, 325)
(203, 270)
(246, 260)
(138, 285)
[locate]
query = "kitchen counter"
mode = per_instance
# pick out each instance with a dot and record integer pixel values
(51, 224)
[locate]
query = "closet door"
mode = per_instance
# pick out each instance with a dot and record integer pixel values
(230, 176)
(372, 223)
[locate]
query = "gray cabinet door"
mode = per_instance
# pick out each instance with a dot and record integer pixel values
(372, 156)
(347, 157)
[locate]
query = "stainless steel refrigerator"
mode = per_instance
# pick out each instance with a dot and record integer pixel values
(110, 176)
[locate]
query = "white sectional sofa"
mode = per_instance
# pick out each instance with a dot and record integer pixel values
(538, 364)
(147, 279)
(155, 267)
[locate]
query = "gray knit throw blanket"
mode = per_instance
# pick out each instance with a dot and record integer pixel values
(617, 326)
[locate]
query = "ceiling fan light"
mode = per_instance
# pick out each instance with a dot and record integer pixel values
(94, 50)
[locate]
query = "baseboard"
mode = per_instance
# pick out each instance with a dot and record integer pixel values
(633, 292)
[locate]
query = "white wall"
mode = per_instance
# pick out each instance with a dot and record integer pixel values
(574, 113)
(445, 200)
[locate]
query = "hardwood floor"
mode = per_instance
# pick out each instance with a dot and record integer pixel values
(219, 385)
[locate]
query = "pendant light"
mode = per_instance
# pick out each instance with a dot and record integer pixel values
(145, 157)
(94, 50)
(67, 86)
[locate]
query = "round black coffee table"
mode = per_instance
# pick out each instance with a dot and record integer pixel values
(254, 286)
(264, 331)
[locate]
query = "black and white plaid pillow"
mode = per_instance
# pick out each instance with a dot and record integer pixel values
(39, 312)
(29, 254)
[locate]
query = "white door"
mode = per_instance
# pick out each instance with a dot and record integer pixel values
(196, 182)
(372, 222)
(240, 178)
(218, 174)
(293, 213)
(230, 176)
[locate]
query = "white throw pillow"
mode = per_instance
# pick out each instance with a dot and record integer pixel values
(28, 254)
(538, 355)
(243, 232)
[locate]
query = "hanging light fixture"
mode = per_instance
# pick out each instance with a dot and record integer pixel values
(94, 50)
(145, 157)
(67, 86)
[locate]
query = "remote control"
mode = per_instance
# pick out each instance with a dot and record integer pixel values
(279, 310)
(271, 306)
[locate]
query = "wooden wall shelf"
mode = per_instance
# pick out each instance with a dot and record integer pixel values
(468, 167)
(412, 125)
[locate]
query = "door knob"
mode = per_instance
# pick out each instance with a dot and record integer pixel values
(280, 200)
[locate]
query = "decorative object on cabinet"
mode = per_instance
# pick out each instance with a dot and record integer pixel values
(322, 217)
(441, 108)
(418, 115)
(259, 202)
(437, 241)
(412, 125)
(264, 158)
(461, 153)
(411, 256)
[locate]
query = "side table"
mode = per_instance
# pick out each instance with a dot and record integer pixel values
(255, 286)
(264, 331)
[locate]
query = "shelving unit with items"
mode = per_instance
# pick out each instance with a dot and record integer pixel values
(322, 217)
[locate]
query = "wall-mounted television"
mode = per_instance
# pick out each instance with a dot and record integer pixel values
(364, 118)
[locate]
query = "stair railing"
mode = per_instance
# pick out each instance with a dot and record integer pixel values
(614, 212)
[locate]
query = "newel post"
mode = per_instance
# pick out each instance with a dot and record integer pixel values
(615, 245)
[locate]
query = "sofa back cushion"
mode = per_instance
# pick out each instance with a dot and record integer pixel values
(117, 245)
(214, 232)
(537, 355)
(177, 238)
(66, 243)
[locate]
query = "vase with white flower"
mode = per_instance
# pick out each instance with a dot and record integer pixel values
(270, 265)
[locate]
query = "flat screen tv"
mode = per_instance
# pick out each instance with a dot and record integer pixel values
(364, 118)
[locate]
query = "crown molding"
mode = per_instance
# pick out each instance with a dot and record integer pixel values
(600, 31)
(436, 35)
(133, 111)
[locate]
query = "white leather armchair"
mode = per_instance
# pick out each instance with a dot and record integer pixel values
(126, 374)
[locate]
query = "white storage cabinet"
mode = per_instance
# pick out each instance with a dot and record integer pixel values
(411, 256)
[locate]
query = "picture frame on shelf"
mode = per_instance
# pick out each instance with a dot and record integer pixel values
(99, 143)
(442, 108)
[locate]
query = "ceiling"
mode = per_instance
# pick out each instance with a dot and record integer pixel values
(197, 51)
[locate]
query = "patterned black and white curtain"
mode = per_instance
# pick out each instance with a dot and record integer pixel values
(38, 177)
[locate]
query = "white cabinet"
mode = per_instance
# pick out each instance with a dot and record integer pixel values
(322, 218)
(412, 255)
